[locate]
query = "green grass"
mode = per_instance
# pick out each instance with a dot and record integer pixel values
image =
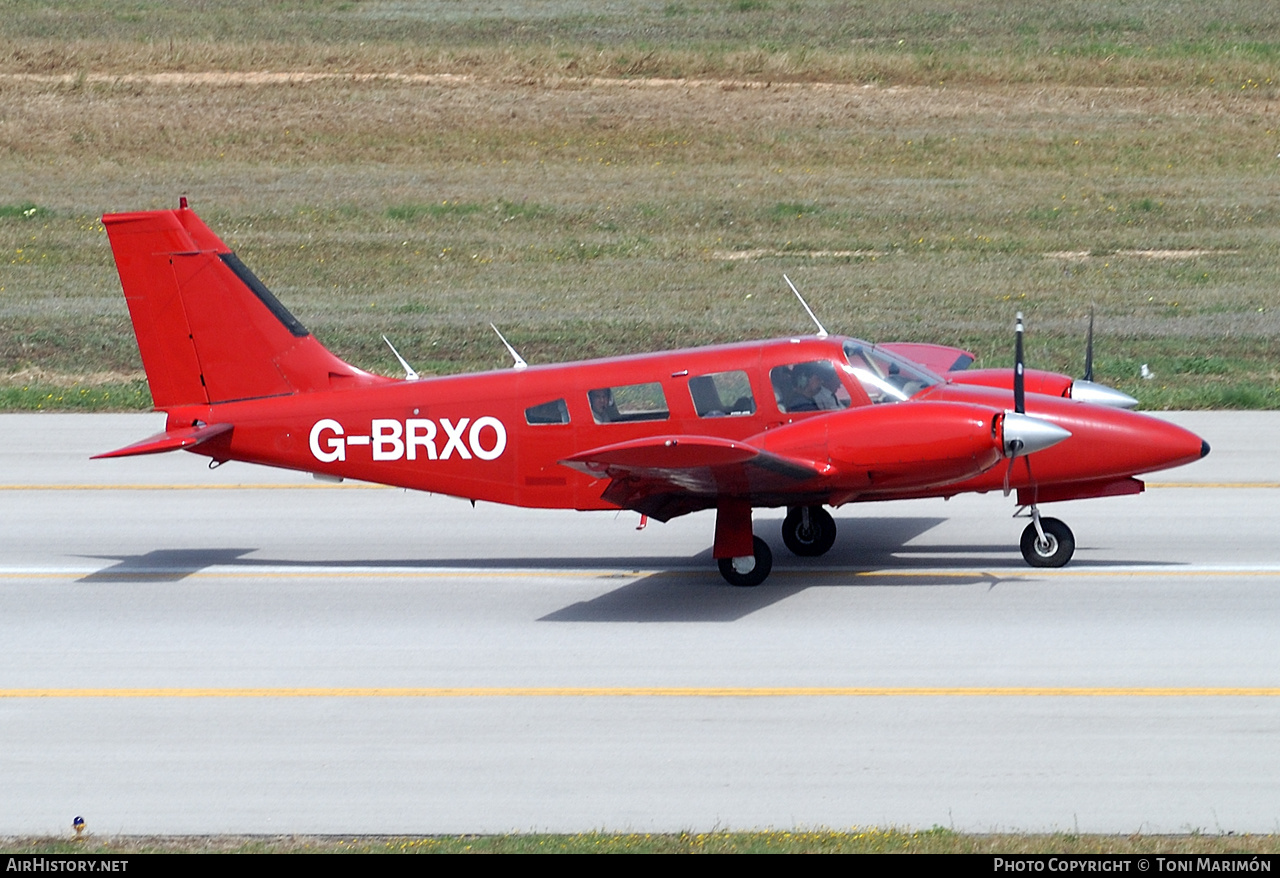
(24, 211)
(411, 212)
(45, 397)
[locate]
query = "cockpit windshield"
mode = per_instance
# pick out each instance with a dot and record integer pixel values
(885, 377)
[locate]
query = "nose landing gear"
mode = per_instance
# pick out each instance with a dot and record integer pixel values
(1047, 542)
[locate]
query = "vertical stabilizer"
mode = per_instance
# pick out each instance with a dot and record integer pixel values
(208, 330)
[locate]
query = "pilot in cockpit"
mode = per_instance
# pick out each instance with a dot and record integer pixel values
(809, 383)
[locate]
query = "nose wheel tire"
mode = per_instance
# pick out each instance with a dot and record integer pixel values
(756, 574)
(809, 539)
(1055, 550)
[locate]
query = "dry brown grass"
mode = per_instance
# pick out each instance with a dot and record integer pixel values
(865, 64)
(294, 116)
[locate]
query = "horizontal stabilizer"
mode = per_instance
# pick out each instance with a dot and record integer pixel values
(170, 440)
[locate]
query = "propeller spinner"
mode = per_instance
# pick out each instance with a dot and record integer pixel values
(1086, 390)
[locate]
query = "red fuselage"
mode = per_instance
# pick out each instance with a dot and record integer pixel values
(471, 436)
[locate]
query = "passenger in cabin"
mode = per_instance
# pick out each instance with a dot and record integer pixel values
(602, 407)
(840, 398)
(786, 390)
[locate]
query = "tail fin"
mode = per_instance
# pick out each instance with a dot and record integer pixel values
(208, 330)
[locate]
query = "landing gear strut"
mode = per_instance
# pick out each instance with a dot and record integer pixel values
(1047, 542)
(744, 558)
(808, 531)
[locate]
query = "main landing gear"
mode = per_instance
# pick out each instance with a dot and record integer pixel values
(1047, 542)
(750, 569)
(808, 531)
(744, 559)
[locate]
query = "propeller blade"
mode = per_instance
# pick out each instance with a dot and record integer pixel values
(1023, 436)
(1031, 479)
(1088, 350)
(1019, 380)
(1087, 390)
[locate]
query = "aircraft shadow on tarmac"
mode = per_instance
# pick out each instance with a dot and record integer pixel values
(164, 565)
(871, 553)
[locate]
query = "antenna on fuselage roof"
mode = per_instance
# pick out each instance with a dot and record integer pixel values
(822, 330)
(520, 363)
(409, 374)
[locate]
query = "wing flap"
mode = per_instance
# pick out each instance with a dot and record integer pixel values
(662, 452)
(664, 476)
(169, 440)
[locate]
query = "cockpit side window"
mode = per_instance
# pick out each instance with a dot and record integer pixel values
(885, 377)
(812, 386)
(722, 394)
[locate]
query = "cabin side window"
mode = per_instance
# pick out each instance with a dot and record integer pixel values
(554, 412)
(625, 403)
(722, 394)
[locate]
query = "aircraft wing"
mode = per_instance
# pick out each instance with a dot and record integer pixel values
(666, 476)
(935, 357)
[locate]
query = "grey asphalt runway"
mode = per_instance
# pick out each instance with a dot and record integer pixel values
(247, 650)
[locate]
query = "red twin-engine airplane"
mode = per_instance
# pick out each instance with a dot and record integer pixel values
(802, 422)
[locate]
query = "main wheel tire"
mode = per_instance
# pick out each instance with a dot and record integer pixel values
(757, 574)
(1056, 550)
(816, 539)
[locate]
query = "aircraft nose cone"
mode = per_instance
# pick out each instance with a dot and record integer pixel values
(1101, 394)
(1128, 443)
